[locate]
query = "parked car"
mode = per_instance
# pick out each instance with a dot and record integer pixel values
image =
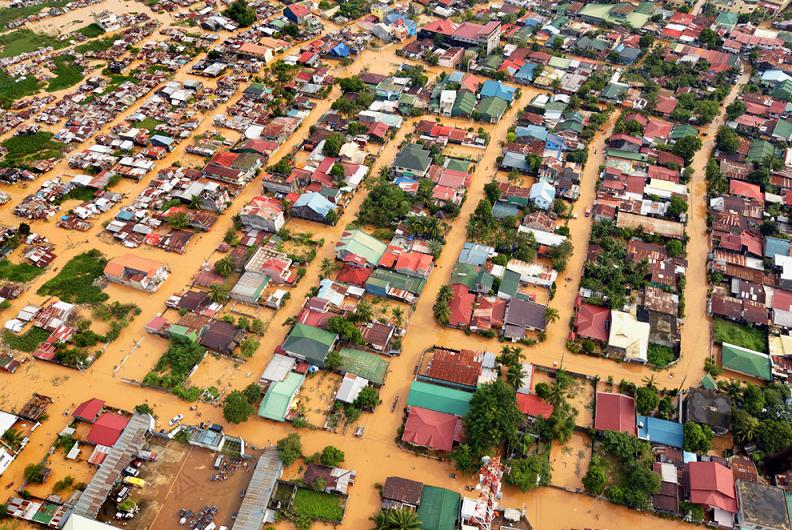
(176, 419)
(131, 471)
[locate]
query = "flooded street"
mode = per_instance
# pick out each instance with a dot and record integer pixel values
(376, 455)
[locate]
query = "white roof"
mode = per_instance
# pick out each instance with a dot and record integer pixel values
(630, 335)
(6, 421)
(278, 368)
(350, 387)
(78, 522)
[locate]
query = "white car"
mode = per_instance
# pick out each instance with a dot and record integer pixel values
(176, 419)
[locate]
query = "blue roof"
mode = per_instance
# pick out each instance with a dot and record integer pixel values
(526, 71)
(316, 202)
(544, 190)
(340, 50)
(555, 140)
(536, 131)
(456, 76)
(776, 245)
(474, 254)
(162, 139)
(662, 432)
(497, 89)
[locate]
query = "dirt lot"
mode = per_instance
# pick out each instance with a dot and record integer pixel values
(181, 479)
(570, 461)
(317, 395)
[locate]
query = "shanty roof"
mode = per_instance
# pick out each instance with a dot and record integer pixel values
(131, 441)
(257, 495)
(402, 490)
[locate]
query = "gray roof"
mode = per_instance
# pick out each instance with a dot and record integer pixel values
(254, 505)
(761, 506)
(414, 157)
(132, 440)
(525, 314)
(709, 408)
(278, 368)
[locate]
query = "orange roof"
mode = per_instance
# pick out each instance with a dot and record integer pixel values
(116, 266)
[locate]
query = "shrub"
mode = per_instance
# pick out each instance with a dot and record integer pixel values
(290, 448)
(331, 456)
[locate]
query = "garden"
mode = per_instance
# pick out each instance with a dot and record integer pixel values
(76, 281)
(739, 335)
(26, 148)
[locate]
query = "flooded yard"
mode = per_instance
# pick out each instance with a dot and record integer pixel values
(570, 461)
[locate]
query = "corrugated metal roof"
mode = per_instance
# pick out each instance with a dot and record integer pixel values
(129, 443)
(262, 484)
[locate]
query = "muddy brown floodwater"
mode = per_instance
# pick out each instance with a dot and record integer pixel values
(375, 456)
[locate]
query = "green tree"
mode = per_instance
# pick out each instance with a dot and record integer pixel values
(252, 393)
(332, 144)
(333, 360)
(224, 266)
(440, 308)
(735, 110)
(236, 407)
(529, 472)
(697, 438)
(368, 398)
(331, 456)
(595, 478)
(34, 473)
(744, 426)
(646, 400)
(396, 520)
(727, 140)
(493, 417)
(686, 147)
(675, 248)
(218, 293)
(290, 448)
(774, 435)
(676, 207)
(241, 13)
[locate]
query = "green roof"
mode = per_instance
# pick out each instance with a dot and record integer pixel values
(364, 364)
(359, 243)
(637, 18)
(464, 104)
(760, 150)
(279, 396)
(439, 398)
(310, 342)
(182, 332)
(708, 382)
(411, 284)
(783, 130)
(745, 361)
(439, 509)
(614, 90)
(627, 155)
(559, 62)
(783, 90)
(510, 283)
(726, 19)
(492, 107)
(456, 164)
(681, 130)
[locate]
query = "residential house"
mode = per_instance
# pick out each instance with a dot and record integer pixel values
(137, 272)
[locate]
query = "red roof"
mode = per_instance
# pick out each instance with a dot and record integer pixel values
(615, 412)
(745, 189)
(89, 410)
(354, 275)
(460, 306)
(444, 27)
(455, 366)
(665, 104)
(782, 300)
(712, 484)
(533, 405)
(657, 128)
(591, 322)
(107, 429)
(428, 428)
(299, 10)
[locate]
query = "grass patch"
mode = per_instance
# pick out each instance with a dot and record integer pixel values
(18, 272)
(27, 342)
(27, 148)
(75, 281)
(739, 335)
(91, 31)
(171, 371)
(78, 194)
(25, 40)
(14, 88)
(67, 73)
(98, 45)
(309, 506)
(660, 356)
(148, 123)
(9, 14)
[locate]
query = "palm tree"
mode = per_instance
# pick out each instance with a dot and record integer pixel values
(445, 294)
(363, 312)
(396, 520)
(398, 316)
(224, 266)
(510, 356)
(556, 395)
(649, 382)
(551, 314)
(218, 294)
(13, 438)
(328, 267)
(514, 376)
(435, 247)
